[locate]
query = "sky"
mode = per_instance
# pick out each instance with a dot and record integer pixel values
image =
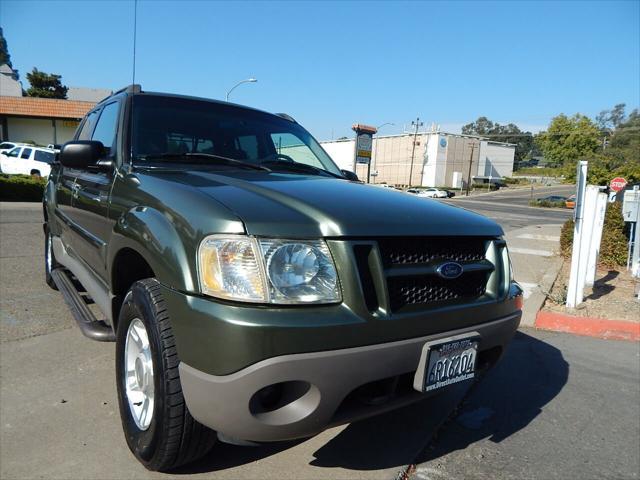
(332, 64)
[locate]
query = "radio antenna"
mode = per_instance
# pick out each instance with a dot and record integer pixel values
(135, 28)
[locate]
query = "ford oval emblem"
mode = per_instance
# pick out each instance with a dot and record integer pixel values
(449, 270)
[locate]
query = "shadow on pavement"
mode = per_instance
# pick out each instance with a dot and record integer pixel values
(511, 395)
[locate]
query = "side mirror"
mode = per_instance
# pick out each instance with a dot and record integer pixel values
(349, 175)
(81, 154)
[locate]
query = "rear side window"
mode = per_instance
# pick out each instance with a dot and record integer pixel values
(42, 156)
(87, 126)
(26, 153)
(105, 131)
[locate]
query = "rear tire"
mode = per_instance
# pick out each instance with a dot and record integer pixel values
(50, 262)
(170, 437)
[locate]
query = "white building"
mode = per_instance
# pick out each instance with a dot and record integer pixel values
(436, 159)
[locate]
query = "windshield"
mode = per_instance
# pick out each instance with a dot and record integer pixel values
(166, 128)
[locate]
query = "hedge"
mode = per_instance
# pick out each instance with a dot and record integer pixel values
(21, 188)
(546, 204)
(613, 247)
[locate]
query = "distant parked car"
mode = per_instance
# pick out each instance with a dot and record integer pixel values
(570, 202)
(384, 185)
(27, 160)
(429, 192)
(6, 146)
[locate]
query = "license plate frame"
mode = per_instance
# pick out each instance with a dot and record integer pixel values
(447, 361)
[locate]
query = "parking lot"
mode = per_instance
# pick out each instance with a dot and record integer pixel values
(557, 406)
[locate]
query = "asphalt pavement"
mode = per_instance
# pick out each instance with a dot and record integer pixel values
(556, 406)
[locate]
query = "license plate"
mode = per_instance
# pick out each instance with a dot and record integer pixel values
(449, 362)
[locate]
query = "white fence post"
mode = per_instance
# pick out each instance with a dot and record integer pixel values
(596, 237)
(575, 288)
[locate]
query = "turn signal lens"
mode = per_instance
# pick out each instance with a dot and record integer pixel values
(229, 268)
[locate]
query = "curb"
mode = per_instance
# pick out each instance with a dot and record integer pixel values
(587, 326)
(535, 302)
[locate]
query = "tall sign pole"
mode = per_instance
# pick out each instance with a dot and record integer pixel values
(363, 144)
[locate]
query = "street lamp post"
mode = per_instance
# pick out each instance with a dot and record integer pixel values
(248, 80)
(375, 152)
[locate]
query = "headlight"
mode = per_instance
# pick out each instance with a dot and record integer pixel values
(242, 268)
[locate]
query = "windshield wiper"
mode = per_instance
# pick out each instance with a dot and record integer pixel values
(193, 158)
(298, 167)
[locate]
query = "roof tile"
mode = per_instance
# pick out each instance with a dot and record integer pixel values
(44, 107)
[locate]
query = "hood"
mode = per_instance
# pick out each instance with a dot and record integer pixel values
(299, 206)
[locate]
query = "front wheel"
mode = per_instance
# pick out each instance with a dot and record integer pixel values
(157, 425)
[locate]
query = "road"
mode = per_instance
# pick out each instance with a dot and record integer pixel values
(532, 233)
(557, 406)
(510, 206)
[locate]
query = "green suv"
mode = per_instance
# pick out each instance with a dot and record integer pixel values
(254, 290)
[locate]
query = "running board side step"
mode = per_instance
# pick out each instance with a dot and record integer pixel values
(86, 320)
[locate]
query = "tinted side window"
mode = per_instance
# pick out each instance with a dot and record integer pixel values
(26, 153)
(87, 127)
(5, 145)
(42, 156)
(15, 152)
(105, 131)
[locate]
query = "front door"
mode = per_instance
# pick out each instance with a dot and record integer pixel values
(89, 211)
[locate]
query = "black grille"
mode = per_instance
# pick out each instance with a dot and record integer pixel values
(431, 289)
(403, 251)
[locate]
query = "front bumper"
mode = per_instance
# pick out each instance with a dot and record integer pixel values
(320, 389)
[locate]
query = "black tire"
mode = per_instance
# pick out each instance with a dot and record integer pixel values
(173, 438)
(49, 260)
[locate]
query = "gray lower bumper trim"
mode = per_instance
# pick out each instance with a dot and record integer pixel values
(223, 402)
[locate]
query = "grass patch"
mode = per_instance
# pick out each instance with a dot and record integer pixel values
(21, 188)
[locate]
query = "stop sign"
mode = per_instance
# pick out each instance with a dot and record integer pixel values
(618, 184)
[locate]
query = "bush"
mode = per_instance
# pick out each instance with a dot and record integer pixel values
(541, 172)
(21, 188)
(514, 180)
(484, 186)
(613, 247)
(546, 204)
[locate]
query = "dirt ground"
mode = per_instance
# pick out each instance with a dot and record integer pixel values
(614, 295)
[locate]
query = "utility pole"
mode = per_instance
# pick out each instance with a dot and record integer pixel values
(416, 124)
(473, 147)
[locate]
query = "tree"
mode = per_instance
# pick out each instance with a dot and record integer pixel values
(610, 119)
(569, 139)
(5, 58)
(45, 85)
(509, 133)
(4, 51)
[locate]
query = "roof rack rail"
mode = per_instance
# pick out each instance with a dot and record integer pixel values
(287, 117)
(135, 88)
